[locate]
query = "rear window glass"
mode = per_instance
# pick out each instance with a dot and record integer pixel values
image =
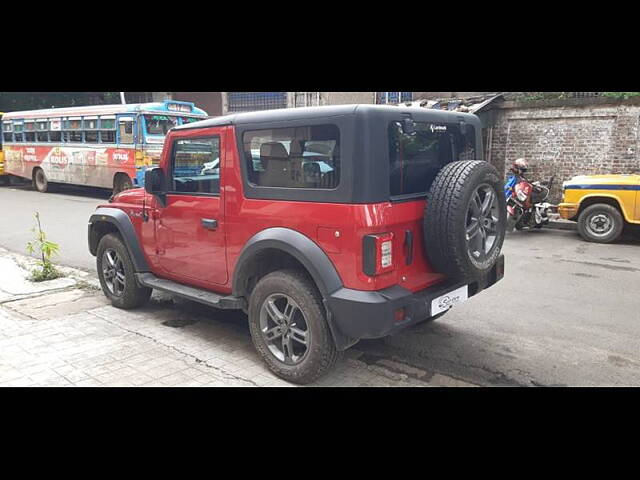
(296, 157)
(417, 157)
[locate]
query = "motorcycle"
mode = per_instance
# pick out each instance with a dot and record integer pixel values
(526, 203)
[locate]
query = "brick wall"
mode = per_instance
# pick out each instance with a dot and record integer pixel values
(567, 140)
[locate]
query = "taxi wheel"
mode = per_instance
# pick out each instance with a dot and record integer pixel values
(600, 223)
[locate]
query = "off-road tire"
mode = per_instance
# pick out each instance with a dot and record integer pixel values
(606, 210)
(322, 353)
(121, 182)
(445, 218)
(40, 182)
(133, 295)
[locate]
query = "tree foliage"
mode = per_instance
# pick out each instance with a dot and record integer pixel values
(15, 101)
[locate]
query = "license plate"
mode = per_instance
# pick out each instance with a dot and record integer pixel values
(448, 300)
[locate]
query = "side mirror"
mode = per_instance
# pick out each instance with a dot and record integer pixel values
(154, 183)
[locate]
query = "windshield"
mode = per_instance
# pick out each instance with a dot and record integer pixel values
(159, 124)
(417, 157)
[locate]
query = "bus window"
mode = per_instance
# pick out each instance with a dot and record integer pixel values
(91, 129)
(7, 131)
(125, 128)
(108, 129)
(18, 130)
(55, 135)
(29, 131)
(42, 131)
(72, 129)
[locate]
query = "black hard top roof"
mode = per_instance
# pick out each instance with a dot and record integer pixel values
(288, 114)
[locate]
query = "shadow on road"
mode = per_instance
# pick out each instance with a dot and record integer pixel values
(72, 190)
(439, 348)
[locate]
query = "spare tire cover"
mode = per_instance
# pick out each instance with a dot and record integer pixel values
(465, 219)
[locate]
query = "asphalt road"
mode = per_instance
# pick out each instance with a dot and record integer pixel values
(64, 216)
(566, 313)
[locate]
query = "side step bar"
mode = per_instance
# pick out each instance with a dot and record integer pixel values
(191, 293)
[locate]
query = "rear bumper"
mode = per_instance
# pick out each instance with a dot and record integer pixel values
(360, 314)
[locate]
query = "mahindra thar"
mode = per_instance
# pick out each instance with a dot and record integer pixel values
(326, 225)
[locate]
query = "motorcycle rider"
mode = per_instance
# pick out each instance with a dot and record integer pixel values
(519, 166)
(526, 206)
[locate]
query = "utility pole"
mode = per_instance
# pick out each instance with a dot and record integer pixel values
(122, 98)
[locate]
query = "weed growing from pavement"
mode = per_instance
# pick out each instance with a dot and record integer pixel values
(46, 249)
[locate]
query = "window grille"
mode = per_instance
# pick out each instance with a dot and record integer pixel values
(393, 97)
(251, 101)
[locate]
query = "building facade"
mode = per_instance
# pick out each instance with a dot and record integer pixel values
(565, 137)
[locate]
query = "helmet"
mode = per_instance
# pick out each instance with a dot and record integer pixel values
(520, 166)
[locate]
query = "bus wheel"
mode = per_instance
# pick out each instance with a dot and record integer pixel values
(40, 182)
(121, 182)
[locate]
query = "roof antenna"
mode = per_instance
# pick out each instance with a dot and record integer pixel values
(122, 98)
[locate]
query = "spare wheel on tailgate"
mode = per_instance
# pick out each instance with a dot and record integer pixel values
(465, 217)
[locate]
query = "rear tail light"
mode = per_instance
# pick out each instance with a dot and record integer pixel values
(377, 252)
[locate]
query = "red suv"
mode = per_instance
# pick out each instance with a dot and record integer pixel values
(325, 225)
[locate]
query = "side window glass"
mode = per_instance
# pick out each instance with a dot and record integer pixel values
(42, 131)
(30, 131)
(91, 129)
(126, 131)
(18, 128)
(7, 131)
(297, 157)
(196, 165)
(107, 127)
(55, 130)
(72, 130)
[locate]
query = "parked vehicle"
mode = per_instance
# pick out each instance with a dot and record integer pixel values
(526, 205)
(314, 221)
(602, 205)
(4, 176)
(107, 146)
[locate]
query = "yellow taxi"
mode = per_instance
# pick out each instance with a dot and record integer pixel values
(601, 204)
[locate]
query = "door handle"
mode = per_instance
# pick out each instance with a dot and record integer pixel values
(209, 223)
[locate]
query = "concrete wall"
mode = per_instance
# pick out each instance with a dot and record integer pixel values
(567, 139)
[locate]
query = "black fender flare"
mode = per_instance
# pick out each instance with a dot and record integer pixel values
(309, 254)
(123, 224)
(301, 247)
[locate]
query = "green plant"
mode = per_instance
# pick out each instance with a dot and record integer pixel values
(47, 249)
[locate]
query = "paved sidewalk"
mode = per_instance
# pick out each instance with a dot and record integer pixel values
(70, 335)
